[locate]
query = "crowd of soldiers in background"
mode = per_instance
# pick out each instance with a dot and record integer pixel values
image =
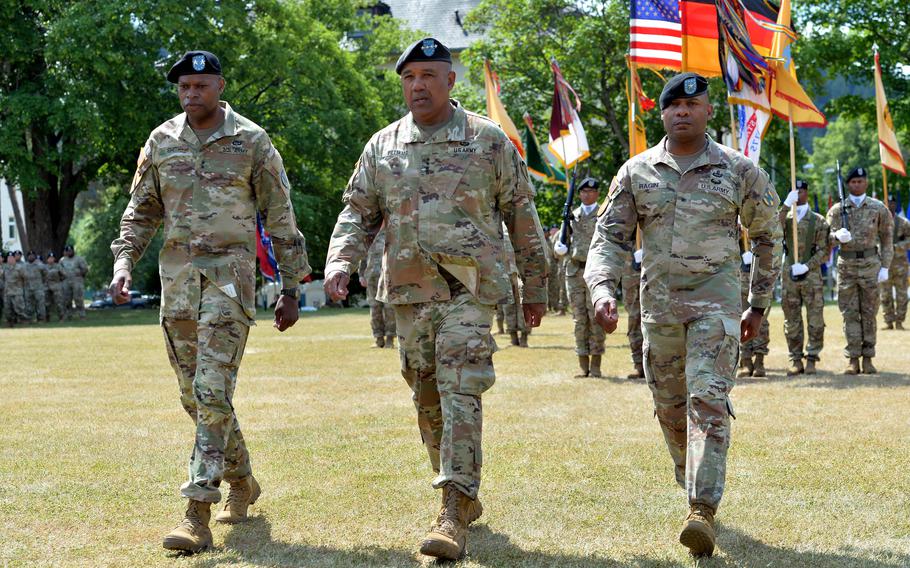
(34, 288)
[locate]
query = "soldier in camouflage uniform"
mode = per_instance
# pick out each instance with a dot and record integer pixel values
(801, 280)
(511, 313)
(589, 337)
(686, 194)
(866, 251)
(35, 288)
(631, 285)
(444, 181)
(894, 290)
(556, 283)
(752, 352)
(56, 282)
(382, 315)
(75, 268)
(14, 293)
(206, 174)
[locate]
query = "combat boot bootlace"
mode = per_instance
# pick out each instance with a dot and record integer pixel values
(698, 530)
(244, 492)
(192, 535)
(448, 537)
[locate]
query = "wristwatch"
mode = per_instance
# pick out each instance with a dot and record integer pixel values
(290, 292)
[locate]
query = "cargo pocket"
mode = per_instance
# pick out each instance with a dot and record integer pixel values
(223, 342)
(476, 375)
(728, 355)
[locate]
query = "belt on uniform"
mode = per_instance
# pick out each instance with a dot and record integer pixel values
(580, 263)
(856, 254)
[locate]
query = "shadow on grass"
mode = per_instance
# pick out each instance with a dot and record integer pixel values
(252, 543)
(741, 549)
(837, 381)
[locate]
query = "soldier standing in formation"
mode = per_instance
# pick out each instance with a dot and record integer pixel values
(866, 251)
(556, 283)
(444, 181)
(35, 288)
(894, 289)
(56, 283)
(14, 294)
(631, 286)
(75, 269)
(686, 194)
(206, 174)
(589, 336)
(511, 313)
(801, 280)
(382, 315)
(752, 352)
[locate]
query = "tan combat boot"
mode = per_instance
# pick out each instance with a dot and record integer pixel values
(899, 325)
(390, 342)
(745, 368)
(499, 329)
(585, 365)
(759, 369)
(852, 366)
(448, 537)
(595, 366)
(888, 325)
(698, 531)
(523, 339)
(380, 342)
(810, 367)
(868, 367)
(639, 372)
(796, 368)
(513, 335)
(192, 534)
(244, 492)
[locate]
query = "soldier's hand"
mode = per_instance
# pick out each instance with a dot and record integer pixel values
(533, 313)
(843, 235)
(286, 312)
(336, 285)
(749, 325)
(120, 286)
(561, 249)
(363, 281)
(606, 314)
(882, 275)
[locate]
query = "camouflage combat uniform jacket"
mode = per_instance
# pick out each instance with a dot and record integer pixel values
(870, 225)
(690, 236)
(443, 199)
(207, 194)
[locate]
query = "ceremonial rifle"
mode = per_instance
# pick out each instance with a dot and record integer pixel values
(567, 210)
(840, 194)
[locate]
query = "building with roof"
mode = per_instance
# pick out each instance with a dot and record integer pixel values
(9, 234)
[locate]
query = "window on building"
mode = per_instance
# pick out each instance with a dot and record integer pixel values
(12, 228)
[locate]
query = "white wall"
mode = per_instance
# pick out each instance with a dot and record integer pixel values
(9, 237)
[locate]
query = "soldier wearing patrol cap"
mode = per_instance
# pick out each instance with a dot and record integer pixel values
(801, 280)
(589, 336)
(686, 194)
(444, 181)
(894, 289)
(865, 254)
(56, 282)
(206, 174)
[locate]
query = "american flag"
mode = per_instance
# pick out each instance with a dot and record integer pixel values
(655, 33)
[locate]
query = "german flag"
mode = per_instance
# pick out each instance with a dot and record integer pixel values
(700, 35)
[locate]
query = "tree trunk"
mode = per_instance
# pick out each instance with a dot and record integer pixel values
(48, 216)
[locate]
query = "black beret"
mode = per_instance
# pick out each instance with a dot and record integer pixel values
(588, 182)
(51, 254)
(68, 247)
(194, 63)
(802, 184)
(859, 172)
(683, 86)
(16, 253)
(426, 49)
(31, 253)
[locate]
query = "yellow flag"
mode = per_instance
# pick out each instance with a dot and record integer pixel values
(788, 99)
(888, 147)
(496, 112)
(638, 102)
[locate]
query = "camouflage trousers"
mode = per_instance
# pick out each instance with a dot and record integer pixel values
(513, 317)
(858, 299)
(56, 300)
(556, 288)
(808, 292)
(382, 319)
(631, 288)
(447, 360)
(689, 369)
(15, 307)
(36, 303)
(759, 344)
(74, 293)
(894, 290)
(206, 354)
(589, 336)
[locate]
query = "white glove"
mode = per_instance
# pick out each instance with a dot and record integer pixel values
(798, 269)
(637, 255)
(882, 274)
(560, 249)
(843, 235)
(747, 257)
(790, 201)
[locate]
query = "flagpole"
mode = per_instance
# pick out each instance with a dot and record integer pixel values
(885, 184)
(793, 182)
(733, 131)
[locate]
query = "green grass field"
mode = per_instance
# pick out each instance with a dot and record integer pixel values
(93, 448)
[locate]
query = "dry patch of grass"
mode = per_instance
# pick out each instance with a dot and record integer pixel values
(93, 448)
